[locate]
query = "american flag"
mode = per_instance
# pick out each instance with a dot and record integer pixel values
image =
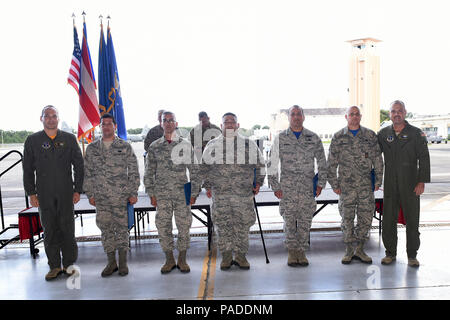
(74, 71)
(81, 77)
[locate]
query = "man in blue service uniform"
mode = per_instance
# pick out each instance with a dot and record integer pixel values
(48, 158)
(407, 169)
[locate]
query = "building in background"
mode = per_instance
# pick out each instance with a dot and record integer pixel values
(432, 124)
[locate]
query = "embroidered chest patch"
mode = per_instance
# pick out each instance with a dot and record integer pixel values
(46, 145)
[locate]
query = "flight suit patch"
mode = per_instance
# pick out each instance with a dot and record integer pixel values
(390, 138)
(46, 145)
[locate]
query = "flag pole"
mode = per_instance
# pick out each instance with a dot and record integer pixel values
(82, 143)
(84, 134)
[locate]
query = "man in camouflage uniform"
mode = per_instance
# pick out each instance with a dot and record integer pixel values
(407, 169)
(202, 133)
(154, 133)
(111, 180)
(229, 164)
(354, 152)
(291, 172)
(165, 178)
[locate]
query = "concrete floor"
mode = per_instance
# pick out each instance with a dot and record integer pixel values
(325, 277)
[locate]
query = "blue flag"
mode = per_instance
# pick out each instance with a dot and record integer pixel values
(114, 89)
(104, 82)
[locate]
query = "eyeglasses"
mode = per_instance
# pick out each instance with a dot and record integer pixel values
(168, 121)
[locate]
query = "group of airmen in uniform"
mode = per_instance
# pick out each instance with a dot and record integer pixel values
(231, 169)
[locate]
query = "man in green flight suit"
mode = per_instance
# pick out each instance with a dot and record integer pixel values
(407, 169)
(48, 158)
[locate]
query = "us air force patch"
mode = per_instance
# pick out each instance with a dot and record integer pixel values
(46, 145)
(390, 138)
(404, 136)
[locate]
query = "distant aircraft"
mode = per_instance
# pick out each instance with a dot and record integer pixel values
(138, 137)
(65, 127)
(134, 137)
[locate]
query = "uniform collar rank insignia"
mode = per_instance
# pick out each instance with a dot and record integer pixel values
(390, 139)
(46, 145)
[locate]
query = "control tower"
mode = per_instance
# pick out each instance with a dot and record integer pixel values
(364, 87)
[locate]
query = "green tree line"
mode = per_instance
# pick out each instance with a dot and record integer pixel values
(14, 136)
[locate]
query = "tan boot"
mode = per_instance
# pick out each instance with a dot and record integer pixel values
(53, 274)
(301, 258)
(388, 259)
(413, 262)
(170, 262)
(111, 267)
(361, 255)
(348, 254)
(123, 267)
(241, 261)
(227, 259)
(292, 258)
(182, 264)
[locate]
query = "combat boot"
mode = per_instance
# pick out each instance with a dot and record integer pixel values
(292, 258)
(413, 262)
(111, 267)
(170, 262)
(361, 255)
(241, 261)
(181, 263)
(301, 258)
(123, 268)
(388, 259)
(53, 274)
(348, 254)
(227, 259)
